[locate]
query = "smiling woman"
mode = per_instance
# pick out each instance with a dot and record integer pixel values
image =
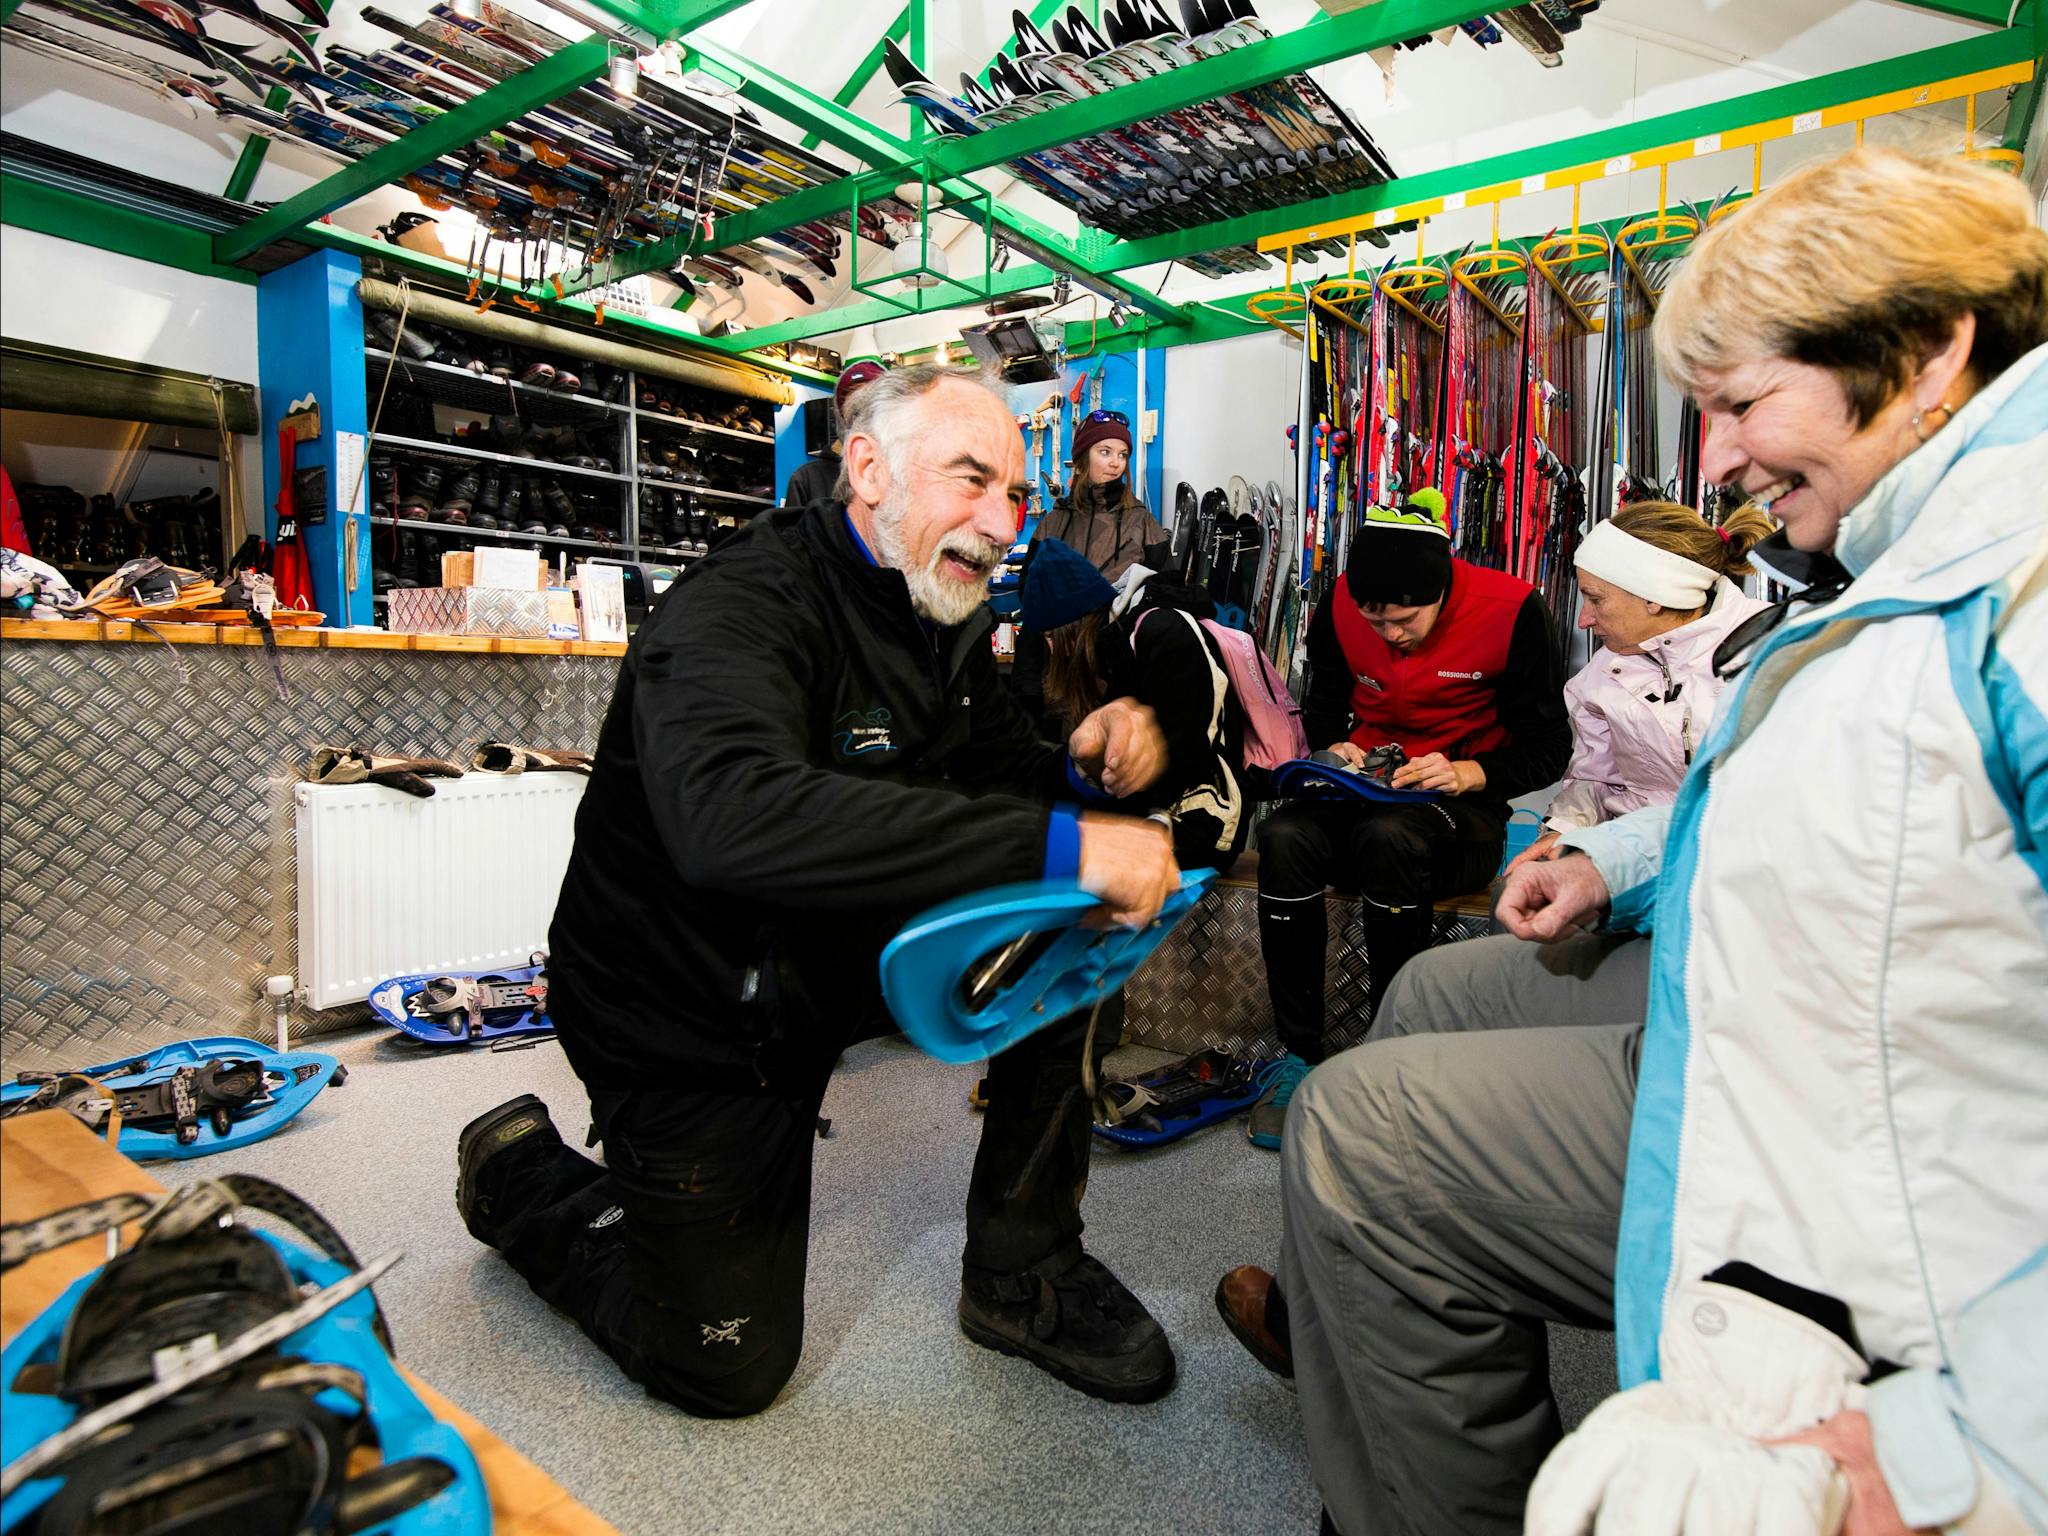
(1839, 322)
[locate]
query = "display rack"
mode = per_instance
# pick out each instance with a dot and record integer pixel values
(644, 516)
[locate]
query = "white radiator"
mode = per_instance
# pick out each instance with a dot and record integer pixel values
(391, 884)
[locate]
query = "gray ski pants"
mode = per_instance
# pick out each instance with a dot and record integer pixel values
(1449, 1186)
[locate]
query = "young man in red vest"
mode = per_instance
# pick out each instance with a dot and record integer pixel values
(1456, 664)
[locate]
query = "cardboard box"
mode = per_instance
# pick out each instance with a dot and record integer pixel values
(509, 570)
(468, 611)
(562, 615)
(458, 568)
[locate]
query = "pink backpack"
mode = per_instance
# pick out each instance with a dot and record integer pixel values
(1273, 732)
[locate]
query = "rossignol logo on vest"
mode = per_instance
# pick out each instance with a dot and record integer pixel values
(863, 733)
(1473, 676)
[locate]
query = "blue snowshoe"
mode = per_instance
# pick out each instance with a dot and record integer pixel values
(1326, 776)
(468, 1009)
(212, 1377)
(1169, 1102)
(185, 1099)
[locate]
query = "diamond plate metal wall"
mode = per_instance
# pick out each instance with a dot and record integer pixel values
(147, 869)
(1206, 985)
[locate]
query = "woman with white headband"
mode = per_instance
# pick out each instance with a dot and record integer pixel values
(1658, 589)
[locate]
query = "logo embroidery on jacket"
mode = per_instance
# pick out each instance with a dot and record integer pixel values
(1371, 682)
(1474, 676)
(862, 732)
(727, 1332)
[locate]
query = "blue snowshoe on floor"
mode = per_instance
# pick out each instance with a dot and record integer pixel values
(216, 1378)
(185, 1099)
(1168, 1102)
(468, 1009)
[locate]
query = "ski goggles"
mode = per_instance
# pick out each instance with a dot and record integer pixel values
(1101, 416)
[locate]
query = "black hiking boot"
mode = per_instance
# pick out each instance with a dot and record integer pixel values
(522, 1123)
(1071, 1317)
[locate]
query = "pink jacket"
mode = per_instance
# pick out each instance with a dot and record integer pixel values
(1636, 720)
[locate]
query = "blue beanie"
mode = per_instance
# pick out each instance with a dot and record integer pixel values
(1060, 586)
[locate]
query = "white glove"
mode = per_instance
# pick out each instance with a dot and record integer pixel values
(1683, 1456)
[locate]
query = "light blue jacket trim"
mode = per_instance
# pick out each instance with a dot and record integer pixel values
(2016, 756)
(1934, 1429)
(1629, 853)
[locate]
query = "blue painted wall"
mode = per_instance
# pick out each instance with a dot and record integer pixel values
(309, 341)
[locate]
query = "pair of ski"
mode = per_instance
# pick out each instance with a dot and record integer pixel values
(1241, 152)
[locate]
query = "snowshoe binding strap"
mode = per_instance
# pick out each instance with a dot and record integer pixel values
(25, 1239)
(509, 757)
(962, 986)
(217, 1092)
(474, 996)
(78, 1095)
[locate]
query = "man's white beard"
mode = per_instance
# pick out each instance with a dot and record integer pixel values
(935, 595)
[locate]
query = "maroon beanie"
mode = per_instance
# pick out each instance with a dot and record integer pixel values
(857, 374)
(1098, 428)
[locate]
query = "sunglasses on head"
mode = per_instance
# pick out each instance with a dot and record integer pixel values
(1116, 416)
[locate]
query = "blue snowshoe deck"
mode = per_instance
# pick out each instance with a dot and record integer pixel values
(291, 1081)
(1307, 778)
(1169, 1102)
(509, 1002)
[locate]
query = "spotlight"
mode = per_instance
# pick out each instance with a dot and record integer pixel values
(1062, 289)
(1119, 314)
(623, 74)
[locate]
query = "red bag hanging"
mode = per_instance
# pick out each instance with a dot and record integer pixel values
(288, 567)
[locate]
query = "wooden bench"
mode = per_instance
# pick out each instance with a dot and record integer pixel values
(49, 1161)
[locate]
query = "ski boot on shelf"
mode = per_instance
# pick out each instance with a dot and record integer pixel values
(466, 1009)
(1167, 1103)
(183, 1100)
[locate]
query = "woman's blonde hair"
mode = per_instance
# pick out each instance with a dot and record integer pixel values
(1862, 264)
(1678, 530)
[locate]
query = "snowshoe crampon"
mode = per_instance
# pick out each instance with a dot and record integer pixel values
(215, 1378)
(468, 1008)
(185, 1099)
(1168, 1102)
(974, 976)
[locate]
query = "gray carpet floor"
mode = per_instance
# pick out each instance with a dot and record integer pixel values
(894, 1421)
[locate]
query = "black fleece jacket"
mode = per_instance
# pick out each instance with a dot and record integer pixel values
(792, 765)
(1529, 695)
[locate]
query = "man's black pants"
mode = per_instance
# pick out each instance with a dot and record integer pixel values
(683, 1256)
(1399, 858)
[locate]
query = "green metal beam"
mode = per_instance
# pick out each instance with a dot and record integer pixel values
(8, 8)
(1017, 279)
(846, 131)
(74, 216)
(864, 71)
(2026, 100)
(561, 72)
(253, 150)
(1390, 21)
(1991, 50)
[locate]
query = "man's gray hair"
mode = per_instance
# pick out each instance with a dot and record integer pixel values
(878, 411)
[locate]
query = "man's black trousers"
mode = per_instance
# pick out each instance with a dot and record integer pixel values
(683, 1256)
(1398, 858)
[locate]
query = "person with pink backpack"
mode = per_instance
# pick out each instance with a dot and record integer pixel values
(1226, 716)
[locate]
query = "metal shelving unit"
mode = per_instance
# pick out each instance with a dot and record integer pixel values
(464, 390)
(422, 448)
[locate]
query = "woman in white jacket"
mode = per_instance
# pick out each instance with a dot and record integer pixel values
(1657, 587)
(1807, 1181)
